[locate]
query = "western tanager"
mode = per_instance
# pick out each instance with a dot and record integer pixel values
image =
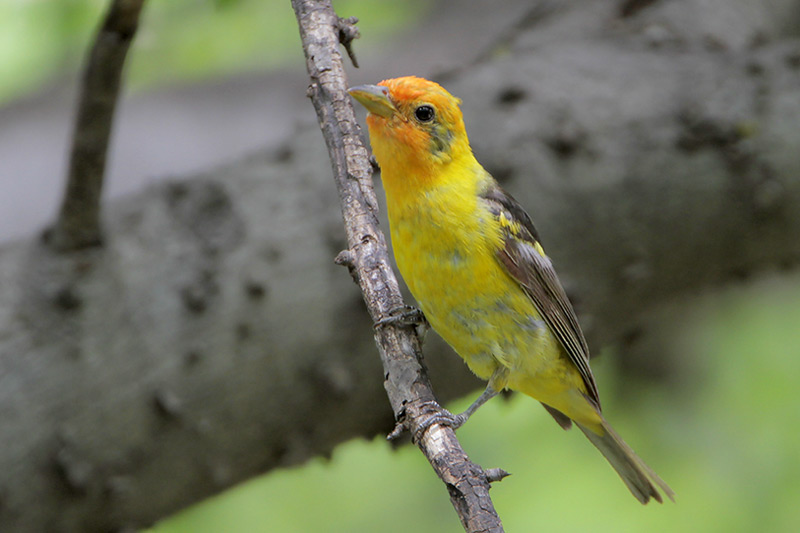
(472, 259)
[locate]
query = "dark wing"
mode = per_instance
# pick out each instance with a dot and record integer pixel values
(524, 259)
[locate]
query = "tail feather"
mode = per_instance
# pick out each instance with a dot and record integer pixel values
(563, 420)
(640, 478)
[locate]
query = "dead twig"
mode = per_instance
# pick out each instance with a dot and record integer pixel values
(406, 381)
(78, 223)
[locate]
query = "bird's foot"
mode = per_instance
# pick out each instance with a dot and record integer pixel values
(430, 414)
(405, 316)
(442, 417)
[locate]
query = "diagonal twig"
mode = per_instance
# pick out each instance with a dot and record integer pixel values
(78, 223)
(406, 381)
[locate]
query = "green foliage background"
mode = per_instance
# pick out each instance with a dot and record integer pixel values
(178, 40)
(724, 433)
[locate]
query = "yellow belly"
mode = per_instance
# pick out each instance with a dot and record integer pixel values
(449, 264)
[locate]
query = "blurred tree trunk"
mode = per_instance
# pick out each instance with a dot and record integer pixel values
(212, 338)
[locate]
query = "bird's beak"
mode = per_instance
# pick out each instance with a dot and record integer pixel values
(375, 98)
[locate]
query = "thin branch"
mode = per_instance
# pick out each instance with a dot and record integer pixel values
(406, 381)
(78, 223)
(348, 32)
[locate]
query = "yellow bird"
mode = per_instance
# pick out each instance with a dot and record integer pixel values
(472, 259)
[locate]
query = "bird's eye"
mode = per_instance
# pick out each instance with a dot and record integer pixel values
(424, 113)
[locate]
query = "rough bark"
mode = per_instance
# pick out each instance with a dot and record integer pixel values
(367, 257)
(213, 339)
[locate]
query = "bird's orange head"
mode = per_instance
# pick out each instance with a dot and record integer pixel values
(415, 125)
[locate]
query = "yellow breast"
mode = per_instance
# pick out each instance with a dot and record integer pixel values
(445, 241)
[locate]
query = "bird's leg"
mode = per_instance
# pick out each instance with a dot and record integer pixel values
(406, 315)
(486, 395)
(433, 413)
(496, 383)
(439, 415)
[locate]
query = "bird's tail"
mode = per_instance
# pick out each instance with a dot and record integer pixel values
(640, 478)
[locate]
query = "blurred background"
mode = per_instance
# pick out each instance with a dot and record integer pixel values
(723, 430)
(724, 436)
